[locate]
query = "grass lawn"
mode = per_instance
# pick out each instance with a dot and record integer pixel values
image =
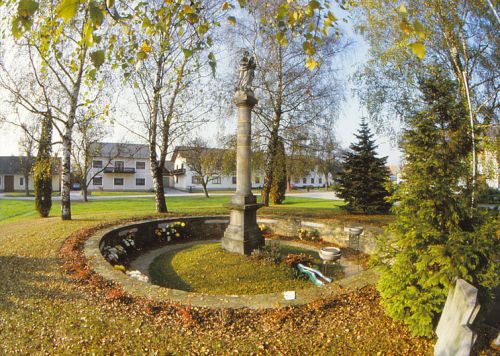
(43, 311)
(207, 268)
(23, 194)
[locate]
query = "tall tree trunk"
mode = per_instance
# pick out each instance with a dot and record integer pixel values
(85, 191)
(42, 179)
(66, 175)
(274, 139)
(271, 161)
(161, 205)
(289, 183)
(67, 141)
(157, 165)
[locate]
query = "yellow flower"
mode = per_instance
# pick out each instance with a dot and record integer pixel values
(120, 268)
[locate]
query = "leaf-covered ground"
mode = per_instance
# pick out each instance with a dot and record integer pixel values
(50, 303)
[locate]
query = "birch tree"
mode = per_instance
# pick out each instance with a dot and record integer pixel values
(62, 44)
(172, 48)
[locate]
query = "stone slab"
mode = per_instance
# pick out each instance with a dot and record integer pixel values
(455, 338)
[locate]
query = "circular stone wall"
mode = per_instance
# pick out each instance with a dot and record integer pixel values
(149, 235)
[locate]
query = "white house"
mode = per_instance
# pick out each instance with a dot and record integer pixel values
(120, 167)
(183, 178)
(12, 174)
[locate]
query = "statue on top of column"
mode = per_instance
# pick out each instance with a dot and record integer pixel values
(247, 73)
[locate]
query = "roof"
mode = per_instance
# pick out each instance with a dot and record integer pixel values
(116, 149)
(15, 164)
(179, 149)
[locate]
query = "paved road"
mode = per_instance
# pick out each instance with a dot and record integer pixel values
(76, 196)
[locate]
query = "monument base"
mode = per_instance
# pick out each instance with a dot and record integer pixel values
(243, 234)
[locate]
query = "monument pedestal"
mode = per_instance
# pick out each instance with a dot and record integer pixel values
(243, 234)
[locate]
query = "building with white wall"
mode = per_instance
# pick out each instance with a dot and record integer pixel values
(120, 167)
(183, 178)
(13, 174)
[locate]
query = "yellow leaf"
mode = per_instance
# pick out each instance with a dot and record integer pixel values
(225, 6)
(418, 49)
(402, 9)
(88, 35)
(232, 20)
(145, 47)
(67, 9)
(311, 64)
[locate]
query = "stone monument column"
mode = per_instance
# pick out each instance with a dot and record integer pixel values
(243, 234)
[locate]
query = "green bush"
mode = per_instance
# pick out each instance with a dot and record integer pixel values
(437, 236)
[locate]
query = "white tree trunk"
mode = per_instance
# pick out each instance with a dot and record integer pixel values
(66, 176)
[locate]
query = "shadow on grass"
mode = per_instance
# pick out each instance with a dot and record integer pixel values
(163, 273)
(24, 278)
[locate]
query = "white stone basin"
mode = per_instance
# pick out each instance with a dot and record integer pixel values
(330, 254)
(356, 231)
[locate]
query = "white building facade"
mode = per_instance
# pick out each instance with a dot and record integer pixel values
(120, 167)
(182, 178)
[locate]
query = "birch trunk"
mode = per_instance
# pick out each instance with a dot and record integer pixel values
(66, 174)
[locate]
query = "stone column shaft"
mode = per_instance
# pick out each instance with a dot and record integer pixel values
(243, 156)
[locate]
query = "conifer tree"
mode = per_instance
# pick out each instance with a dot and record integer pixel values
(42, 170)
(436, 237)
(278, 187)
(362, 182)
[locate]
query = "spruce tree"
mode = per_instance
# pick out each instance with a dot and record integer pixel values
(364, 176)
(42, 170)
(436, 237)
(278, 187)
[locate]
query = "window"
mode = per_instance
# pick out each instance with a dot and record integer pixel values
(176, 179)
(257, 180)
(321, 181)
(97, 164)
(119, 165)
(21, 180)
(312, 180)
(140, 165)
(304, 180)
(196, 179)
(140, 181)
(118, 181)
(97, 181)
(234, 180)
(0, 180)
(216, 180)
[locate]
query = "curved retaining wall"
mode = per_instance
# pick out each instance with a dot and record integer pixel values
(210, 228)
(329, 230)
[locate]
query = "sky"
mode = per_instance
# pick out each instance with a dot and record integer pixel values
(347, 124)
